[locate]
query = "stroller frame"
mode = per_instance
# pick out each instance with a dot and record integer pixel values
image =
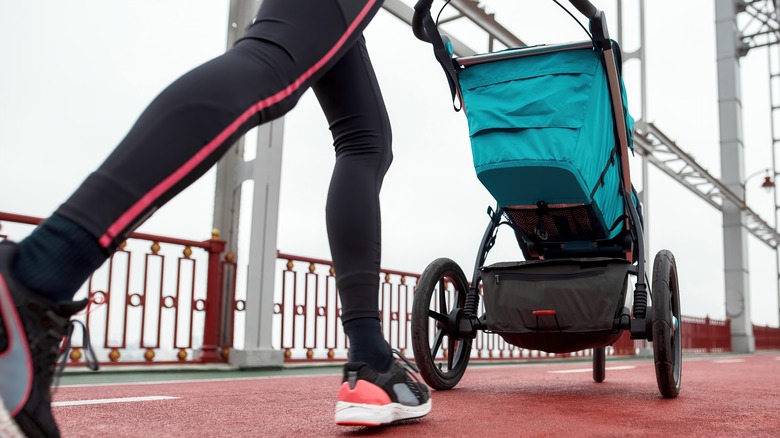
(459, 321)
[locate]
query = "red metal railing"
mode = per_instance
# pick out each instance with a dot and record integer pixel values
(767, 338)
(175, 304)
(699, 335)
(705, 335)
(182, 306)
(168, 311)
(625, 346)
(306, 310)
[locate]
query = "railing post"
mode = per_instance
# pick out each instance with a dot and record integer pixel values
(214, 298)
(777, 338)
(229, 304)
(758, 333)
(709, 339)
(728, 339)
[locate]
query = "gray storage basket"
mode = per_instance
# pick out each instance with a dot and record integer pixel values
(560, 305)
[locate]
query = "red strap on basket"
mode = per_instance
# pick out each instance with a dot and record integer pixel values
(543, 313)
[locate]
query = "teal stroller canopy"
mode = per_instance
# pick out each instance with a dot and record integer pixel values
(542, 131)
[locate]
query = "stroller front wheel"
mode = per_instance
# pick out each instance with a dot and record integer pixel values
(667, 331)
(440, 352)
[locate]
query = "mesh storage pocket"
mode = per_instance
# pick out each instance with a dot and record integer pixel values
(559, 223)
(555, 296)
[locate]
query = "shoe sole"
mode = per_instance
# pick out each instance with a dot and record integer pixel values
(8, 428)
(16, 360)
(358, 414)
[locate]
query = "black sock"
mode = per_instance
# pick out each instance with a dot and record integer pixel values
(367, 344)
(57, 258)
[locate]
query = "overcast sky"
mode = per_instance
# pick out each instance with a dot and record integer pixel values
(76, 73)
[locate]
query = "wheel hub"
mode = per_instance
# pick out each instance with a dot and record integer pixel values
(453, 322)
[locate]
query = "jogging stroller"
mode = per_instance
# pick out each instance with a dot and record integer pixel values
(550, 138)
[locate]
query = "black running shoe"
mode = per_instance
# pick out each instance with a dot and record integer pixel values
(31, 330)
(369, 398)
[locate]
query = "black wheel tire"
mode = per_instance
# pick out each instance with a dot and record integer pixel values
(599, 364)
(432, 337)
(667, 330)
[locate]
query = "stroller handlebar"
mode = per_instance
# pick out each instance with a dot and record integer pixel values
(421, 8)
(585, 7)
(597, 21)
(596, 18)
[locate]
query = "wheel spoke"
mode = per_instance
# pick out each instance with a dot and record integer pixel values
(436, 343)
(438, 316)
(442, 296)
(451, 346)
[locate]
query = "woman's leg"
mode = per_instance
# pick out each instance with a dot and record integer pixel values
(185, 130)
(182, 133)
(374, 390)
(352, 101)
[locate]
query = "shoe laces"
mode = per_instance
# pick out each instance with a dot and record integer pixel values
(409, 363)
(412, 381)
(64, 351)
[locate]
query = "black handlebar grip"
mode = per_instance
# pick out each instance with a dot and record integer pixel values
(585, 7)
(422, 8)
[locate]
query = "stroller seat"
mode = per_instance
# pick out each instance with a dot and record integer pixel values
(543, 141)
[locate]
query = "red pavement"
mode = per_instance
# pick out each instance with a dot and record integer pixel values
(734, 395)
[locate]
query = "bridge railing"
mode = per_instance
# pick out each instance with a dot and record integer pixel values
(165, 300)
(767, 338)
(705, 335)
(156, 300)
(306, 312)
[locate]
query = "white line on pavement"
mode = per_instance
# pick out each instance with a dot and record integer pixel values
(224, 379)
(728, 361)
(587, 370)
(113, 400)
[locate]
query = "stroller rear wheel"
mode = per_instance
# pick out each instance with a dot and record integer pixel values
(667, 333)
(442, 355)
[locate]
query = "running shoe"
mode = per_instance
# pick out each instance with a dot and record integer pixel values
(31, 329)
(369, 398)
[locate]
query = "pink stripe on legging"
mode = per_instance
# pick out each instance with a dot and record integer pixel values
(142, 204)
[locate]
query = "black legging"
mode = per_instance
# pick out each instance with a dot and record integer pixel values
(292, 45)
